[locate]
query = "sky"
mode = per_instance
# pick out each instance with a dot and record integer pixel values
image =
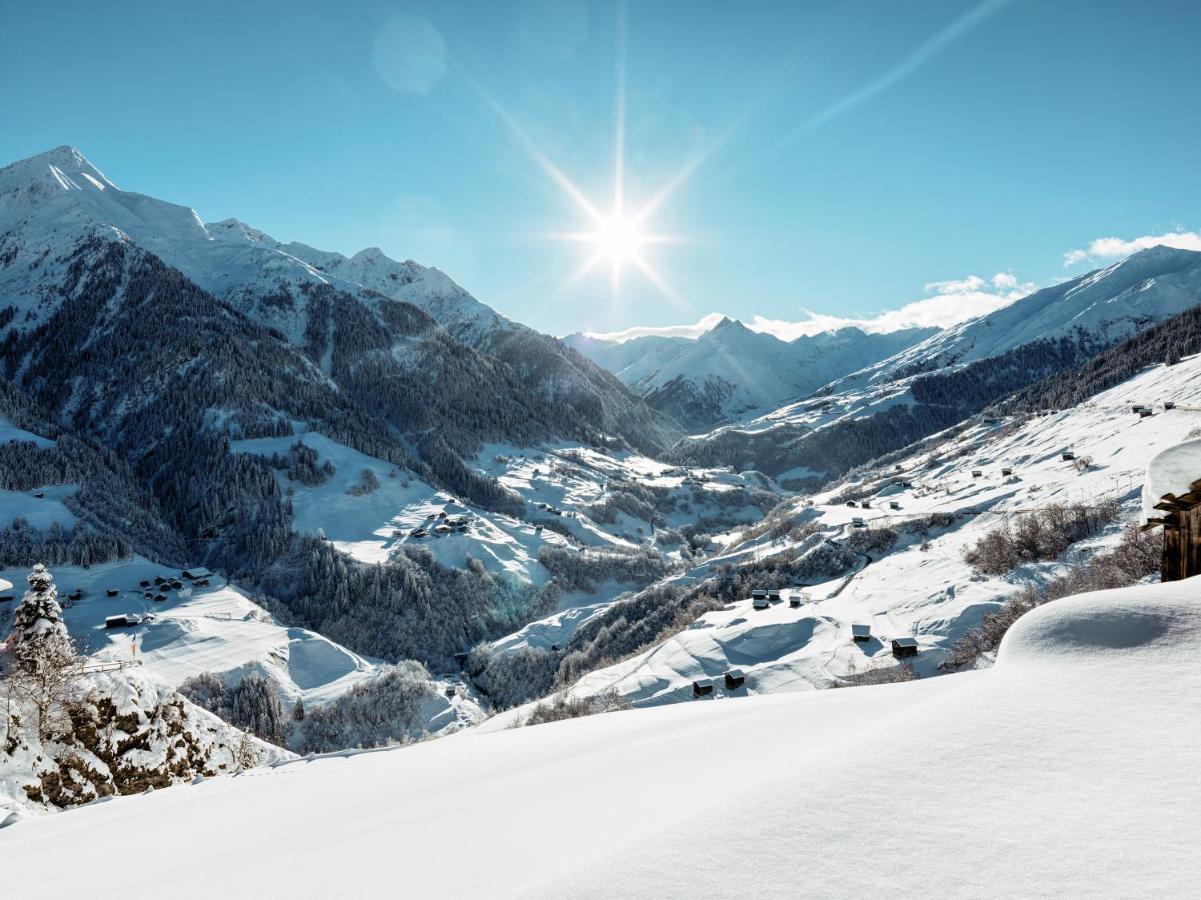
(796, 165)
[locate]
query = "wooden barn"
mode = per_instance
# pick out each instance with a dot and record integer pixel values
(861, 633)
(735, 679)
(904, 647)
(760, 603)
(1006, 472)
(1181, 521)
(702, 687)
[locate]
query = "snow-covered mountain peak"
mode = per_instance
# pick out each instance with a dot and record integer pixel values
(61, 169)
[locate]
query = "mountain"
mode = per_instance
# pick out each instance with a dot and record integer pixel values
(731, 372)
(955, 374)
(366, 315)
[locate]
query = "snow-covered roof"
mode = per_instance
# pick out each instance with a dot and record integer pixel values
(1172, 471)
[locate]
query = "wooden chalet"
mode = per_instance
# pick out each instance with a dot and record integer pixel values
(1181, 521)
(904, 647)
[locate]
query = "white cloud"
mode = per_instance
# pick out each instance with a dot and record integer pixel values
(951, 302)
(1116, 248)
(689, 331)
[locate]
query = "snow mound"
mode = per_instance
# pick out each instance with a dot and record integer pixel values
(1146, 620)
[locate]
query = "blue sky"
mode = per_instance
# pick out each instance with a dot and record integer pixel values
(843, 159)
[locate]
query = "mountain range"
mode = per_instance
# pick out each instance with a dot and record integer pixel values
(731, 372)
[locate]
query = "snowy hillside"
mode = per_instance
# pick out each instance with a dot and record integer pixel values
(1079, 744)
(1106, 304)
(730, 372)
(920, 514)
(955, 374)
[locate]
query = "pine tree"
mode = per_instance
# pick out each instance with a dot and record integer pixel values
(46, 665)
(40, 637)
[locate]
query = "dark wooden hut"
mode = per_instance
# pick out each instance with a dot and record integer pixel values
(1181, 521)
(735, 679)
(904, 647)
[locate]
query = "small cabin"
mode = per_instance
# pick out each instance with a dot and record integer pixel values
(904, 647)
(117, 621)
(735, 679)
(851, 504)
(185, 574)
(160, 598)
(176, 585)
(1169, 404)
(760, 603)
(1145, 413)
(758, 592)
(442, 529)
(857, 522)
(41, 495)
(861, 634)
(159, 579)
(144, 583)
(112, 592)
(147, 595)
(774, 596)
(976, 473)
(1067, 456)
(893, 504)
(702, 687)
(1007, 471)
(795, 601)
(1137, 408)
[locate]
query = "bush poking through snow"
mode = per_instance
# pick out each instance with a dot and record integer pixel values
(561, 706)
(887, 674)
(1038, 535)
(1137, 556)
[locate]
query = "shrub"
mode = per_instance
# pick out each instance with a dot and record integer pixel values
(561, 706)
(1038, 535)
(1137, 556)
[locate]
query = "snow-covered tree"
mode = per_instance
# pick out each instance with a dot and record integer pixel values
(45, 665)
(40, 637)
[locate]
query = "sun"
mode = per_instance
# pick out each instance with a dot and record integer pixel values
(618, 239)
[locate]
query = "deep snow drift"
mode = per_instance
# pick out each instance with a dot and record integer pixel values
(1066, 769)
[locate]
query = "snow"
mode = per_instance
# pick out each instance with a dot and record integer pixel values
(1067, 769)
(931, 594)
(1171, 471)
(10, 432)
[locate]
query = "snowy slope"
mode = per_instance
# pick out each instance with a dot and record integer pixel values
(1065, 770)
(930, 594)
(1109, 303)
